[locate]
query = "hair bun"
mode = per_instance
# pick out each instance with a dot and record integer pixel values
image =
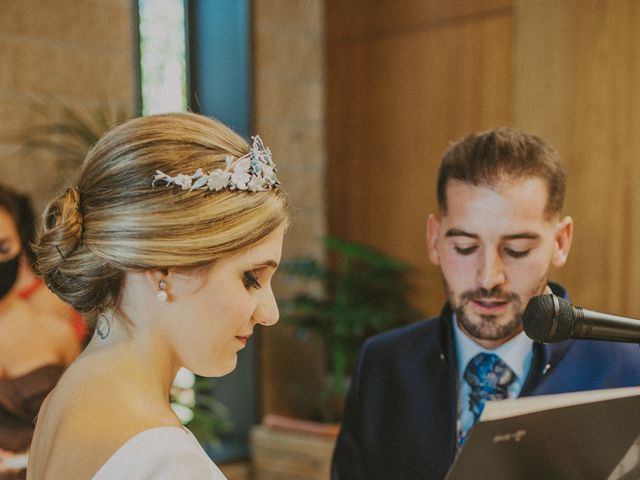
(64, 216)
(60, 237)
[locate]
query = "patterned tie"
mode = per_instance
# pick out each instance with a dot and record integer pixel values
(489, 378)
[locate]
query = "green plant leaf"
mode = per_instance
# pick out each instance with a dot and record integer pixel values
(365, 293)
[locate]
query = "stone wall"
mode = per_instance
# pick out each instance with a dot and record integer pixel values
(289, 98)
(75, 52)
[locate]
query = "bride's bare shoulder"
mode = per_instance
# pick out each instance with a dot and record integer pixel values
(83, 423)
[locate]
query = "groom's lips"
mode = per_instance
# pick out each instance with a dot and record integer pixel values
(488, 305)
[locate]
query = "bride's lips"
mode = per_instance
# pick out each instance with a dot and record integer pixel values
(243, 340)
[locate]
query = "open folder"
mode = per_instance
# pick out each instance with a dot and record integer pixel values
(570, 436)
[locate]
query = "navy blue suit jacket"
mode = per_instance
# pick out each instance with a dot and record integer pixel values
(401, 409)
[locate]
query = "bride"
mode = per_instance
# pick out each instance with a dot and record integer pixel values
(169, 243)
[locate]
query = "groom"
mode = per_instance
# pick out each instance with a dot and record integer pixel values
(417, 390)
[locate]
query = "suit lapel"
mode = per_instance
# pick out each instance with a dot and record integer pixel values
(449, 357)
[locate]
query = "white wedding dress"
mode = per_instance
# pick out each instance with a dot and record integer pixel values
(160, 453)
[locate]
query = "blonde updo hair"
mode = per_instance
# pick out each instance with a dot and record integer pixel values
(115, 222)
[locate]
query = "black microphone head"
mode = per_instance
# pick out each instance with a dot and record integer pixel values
(548, 318)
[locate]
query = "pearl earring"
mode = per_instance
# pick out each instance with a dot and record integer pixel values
(162, 295)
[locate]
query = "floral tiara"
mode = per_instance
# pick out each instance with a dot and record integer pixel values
(254, 172)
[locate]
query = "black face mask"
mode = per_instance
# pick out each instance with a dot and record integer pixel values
(8, 274)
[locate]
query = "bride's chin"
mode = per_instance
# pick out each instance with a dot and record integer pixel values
(218, 370)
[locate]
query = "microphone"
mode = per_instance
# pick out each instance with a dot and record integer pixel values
(548, 318)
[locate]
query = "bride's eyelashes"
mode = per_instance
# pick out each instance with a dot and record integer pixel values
(250, 280)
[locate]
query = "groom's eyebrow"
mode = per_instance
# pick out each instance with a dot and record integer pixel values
(456, 232)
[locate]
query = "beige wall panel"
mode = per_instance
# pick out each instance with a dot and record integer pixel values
(578, 85)
(395, 103)
(353, 18)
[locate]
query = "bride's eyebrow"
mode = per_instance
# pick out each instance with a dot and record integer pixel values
(267, 263)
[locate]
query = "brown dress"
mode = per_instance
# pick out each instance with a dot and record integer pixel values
(20, 400)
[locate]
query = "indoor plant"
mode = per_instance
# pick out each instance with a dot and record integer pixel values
(363, 292)
(66, 132)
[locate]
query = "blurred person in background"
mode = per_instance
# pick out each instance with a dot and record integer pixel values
(28, 285)
(37, 339)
